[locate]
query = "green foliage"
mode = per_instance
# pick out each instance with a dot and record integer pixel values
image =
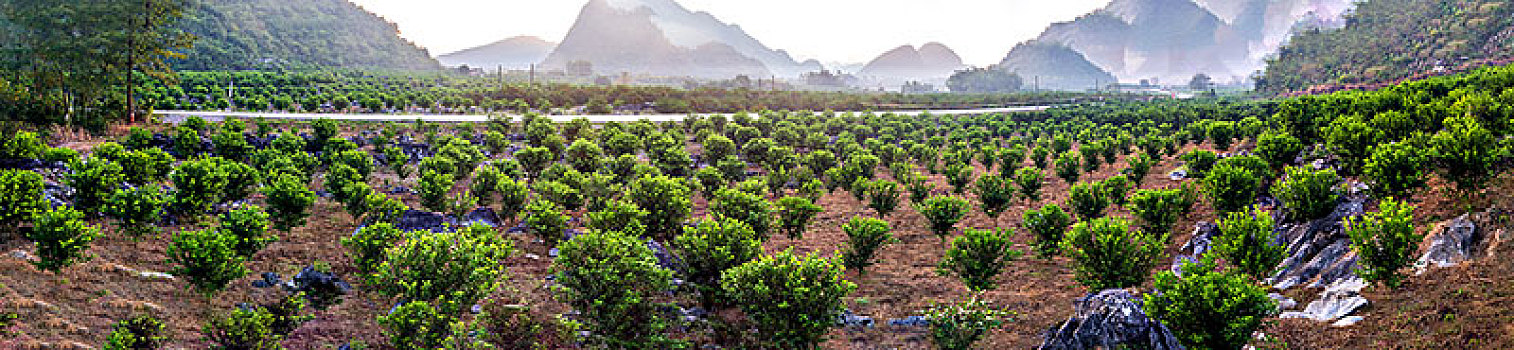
(534, 159)
(864, 237)
(618, 215)
(198, 185)
(1385, 241)
(959, 175)
(446, 268)
(546, 221)
(137, 209)
(249, 227)
(290, 202)
(1088, 200)
(1245, 242)
(1209, 309)
(1140, 166)
(1067, 167)
(433, 189)
(943, 213)
(978, 256)
(243, 329)
(513, 326)
(667, 201)
(20, 196)
(1278, 148)
(397, 159)
(1308, 194)
(1348, 137)
(1396, 168)
(207, 258)
(61, 236)
(1115, 188)
(748, 208)
(145, 165)
(957, 326)
(995, 193)
(1231, 188)
(22, 145)
(418, 324)
(794, 215)
(1158, 210)
(883, 196)
(93, 180)
(558, 193)
(1049, 225)
(1028, 180)
(1200, 162)
(1106, 254)
(1465, 151)
(612, 278)
(136, 333)
(186, 142)
(712, 247)
(367, 246)
(793, 301)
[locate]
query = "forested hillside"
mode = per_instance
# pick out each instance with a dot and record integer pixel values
(1387, 40)
(261, 34)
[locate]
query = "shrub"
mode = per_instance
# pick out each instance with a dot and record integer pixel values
(198, 184)
(667, 199)
(942, 213)
(1039, 156)
(1222, 133)
(1115, 188)
(534, 159)
(1106, 254)
(1385, 241)
(793, 300)
(1231, 188)
(1278, 148)
(207, 258)
(584, 155)
(558, 193)
(141, 332)
(1088, 200)
(995, 194)
(546, 221)
(864, 237)
(512, 197)
(713, 247)
(959, 175)
(137, 209)
(290, 202)
(231, 145)
(397, 159)
(145, 166)
(1308, 194)
(61, 236)
(433, 189)
(794, 215)
(417, 325)
(709, 179)
(1067, 167)
(1245, 242)
(1395, 168)
(733, 169)
(249, 227)
(243, 328)
(1160, 209)
(439, 165)
(718, 147)
(286, 313)
(1466, 152)
(1029, 181)
(1140, 166)
(21, 196)
(1209, 309)
(883, 196)
(366, 247)
(240, 179)
(956, 326)
(93, 180)
(1200, 162)
(977, 256)
(60, 154)
(918, 185)
(186, 142)
(1049, 225)
(447, 268)
(611, 278)
(1349, 136)
(618, 215)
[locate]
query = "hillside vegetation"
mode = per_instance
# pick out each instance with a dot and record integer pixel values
(1387, 40)
(265, 34)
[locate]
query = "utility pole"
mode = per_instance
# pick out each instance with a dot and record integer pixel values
(532, 80)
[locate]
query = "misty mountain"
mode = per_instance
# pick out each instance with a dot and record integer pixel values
(1054, 66)
(933, 61)
(514, 53)
(661, 37)
(260, 34)
(1172, 40)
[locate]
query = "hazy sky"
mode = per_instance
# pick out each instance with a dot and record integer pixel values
(852, 31)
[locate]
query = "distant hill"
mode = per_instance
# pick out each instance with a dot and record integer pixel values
(1053, 66)
(661, 37)
(1172, 40)
(1387, 40)
(931, 61)
(513, 53)
(255, 34)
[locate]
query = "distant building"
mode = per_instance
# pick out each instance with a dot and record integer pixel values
(915, 87)
(826, 78)
(580, 68)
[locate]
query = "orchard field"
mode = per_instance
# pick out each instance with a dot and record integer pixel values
(775, 229)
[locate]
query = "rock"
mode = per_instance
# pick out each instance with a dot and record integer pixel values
(1318, 251)
(152, 275)
(22, 254)
(269, 280)
(414, 220)
(482, 215)
(1203, 237)
(518, 230)
(911, 321)
(664, 258)
(849, 319)
(1332, 305)
(694, 314)
(400, 190)
(1283, 303)
(1178, 175)
(476, 309)
(1348, 321)
(1110, 319)
(552, 252)
(321, 288)
(533, 256)
(1452, 243)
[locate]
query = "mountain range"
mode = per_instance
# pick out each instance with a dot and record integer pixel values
(271, 34)
(933, 61)
(514, 53)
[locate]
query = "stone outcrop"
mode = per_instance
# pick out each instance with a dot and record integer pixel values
(1110, 319)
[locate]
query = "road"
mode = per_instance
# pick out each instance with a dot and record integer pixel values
(177, 116)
